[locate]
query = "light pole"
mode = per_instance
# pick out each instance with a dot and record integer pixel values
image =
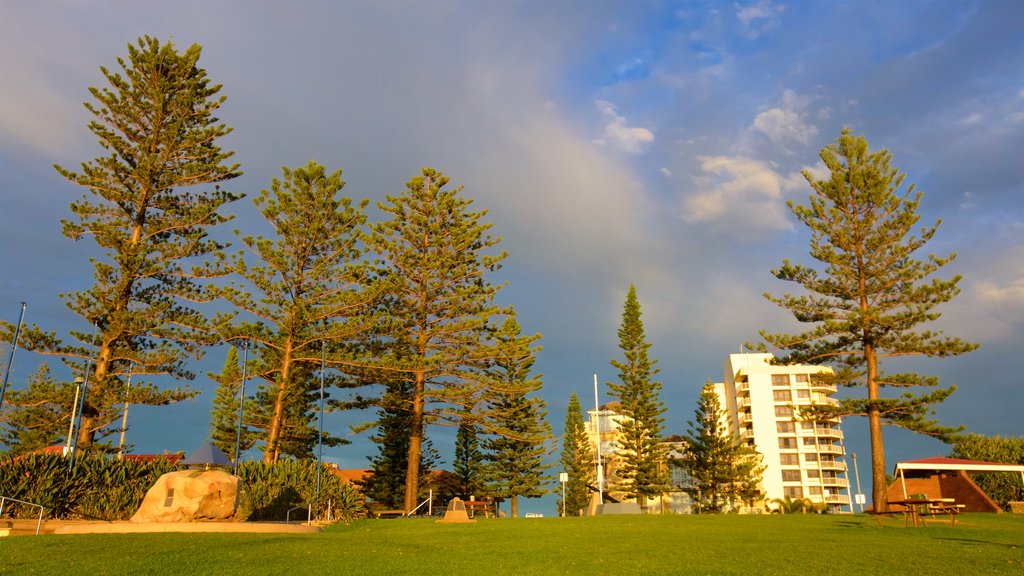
(563, 478)
(320, 434)
(856, 474)
(10, 359)
(74, 410)
(241, 403)
(78, 415)
(124, 419)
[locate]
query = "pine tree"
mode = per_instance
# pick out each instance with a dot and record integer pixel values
(439, 304)
(307, 286)
(38, 416)
(721, 467)
(224, 431)
(157, 119)
(386, 484)
(871, 296)
(577, 460)
(468, 460)
(643, 471)
(515, 453)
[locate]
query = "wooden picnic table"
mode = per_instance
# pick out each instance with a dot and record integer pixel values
(915, 509)
(485, 506)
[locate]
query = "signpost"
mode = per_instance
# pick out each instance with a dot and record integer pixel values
(563, 478)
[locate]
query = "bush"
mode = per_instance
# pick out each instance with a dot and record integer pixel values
(270, 490)
(98, 488)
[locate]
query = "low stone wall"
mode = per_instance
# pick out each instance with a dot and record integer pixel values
(1016, 507)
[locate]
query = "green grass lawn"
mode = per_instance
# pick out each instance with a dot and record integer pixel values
(807, 545)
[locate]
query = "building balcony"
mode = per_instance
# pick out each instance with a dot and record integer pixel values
(822, 387)
(747, 433)
(742, 388)
(827, 465)
(745, 418)
(837, 499)
(831, 449)
(840, 482)
(827, 432)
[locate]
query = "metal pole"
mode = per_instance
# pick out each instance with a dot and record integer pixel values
(241, 403)
(320, 434)
(10, 359)
(597, 432)
(856, 474)
(78, 416)
(124, 419)
(74, 409)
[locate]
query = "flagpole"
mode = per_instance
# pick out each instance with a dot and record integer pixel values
(597, 433)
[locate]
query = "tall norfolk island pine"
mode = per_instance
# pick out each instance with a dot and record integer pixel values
(305, 287)
(157, 120)
(644, 465)
(577, 460)
(440, 304)
(871, 295)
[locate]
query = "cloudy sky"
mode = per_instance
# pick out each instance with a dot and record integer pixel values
(652, 143)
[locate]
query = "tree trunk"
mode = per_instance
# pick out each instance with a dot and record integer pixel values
(274, 434)
(513, 506)
(879, 487)
(412, 471)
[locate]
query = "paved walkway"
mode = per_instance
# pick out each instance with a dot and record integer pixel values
(28, 527)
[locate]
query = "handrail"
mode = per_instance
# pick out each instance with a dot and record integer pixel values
(430, 509)
(309, 513)
(39, 523)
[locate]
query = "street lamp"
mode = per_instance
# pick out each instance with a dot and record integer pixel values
(74, 410)
(241, 403)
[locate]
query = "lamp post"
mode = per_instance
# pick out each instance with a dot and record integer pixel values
(78, 414)
(124, 418)
(856, 473)
(74, 410)
(563, 478)
(241, 403)
(320, 433)
(10, 359)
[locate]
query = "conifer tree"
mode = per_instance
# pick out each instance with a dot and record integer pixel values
(643, 473)
(386, 483)
(577, 460)
(870, 297)
(468, 460)
(306, 287)
(439, 305)
(157, 118)
(515, 453)
(224, 414)
(38, 416)
(721, 467)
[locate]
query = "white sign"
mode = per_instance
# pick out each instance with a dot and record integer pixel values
(859, 499)
(563, 477)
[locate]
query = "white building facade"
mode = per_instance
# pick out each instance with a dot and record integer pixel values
(802, 459)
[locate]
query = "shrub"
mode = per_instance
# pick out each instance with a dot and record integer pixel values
(270, 490)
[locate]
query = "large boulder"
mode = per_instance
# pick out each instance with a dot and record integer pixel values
(190, 496)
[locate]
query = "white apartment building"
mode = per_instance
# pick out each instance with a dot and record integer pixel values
(608, 419)
(802, 459)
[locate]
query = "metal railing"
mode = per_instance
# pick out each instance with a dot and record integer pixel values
(39, 523)
(309, 513)
(430, 505)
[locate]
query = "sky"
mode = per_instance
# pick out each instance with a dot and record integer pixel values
(652, 143)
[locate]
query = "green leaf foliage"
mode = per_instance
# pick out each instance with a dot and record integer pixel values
(270, 490)
(312, 297)
(642, 473)
(156, 121)
(869, 295)
(224, 430)
(1002, 487)
(578, 460)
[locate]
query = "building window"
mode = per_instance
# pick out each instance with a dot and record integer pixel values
(793, 491)
(813, 473)
(809, 441)
(785, 426)
(789, 459)
(810, 457)
(780, 380)
(807, 425)
(803, 394)
(783, 412)
(802, 379)
(782, 396)
(790, 475)
(814, 490)
(787, 443)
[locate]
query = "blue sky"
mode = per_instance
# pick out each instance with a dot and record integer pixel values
(653, 143)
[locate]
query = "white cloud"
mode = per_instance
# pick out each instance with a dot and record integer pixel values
(745, 193)
(665, 171)
(1010, 295)
(619, 134)
(787, 122)
(759, 17)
